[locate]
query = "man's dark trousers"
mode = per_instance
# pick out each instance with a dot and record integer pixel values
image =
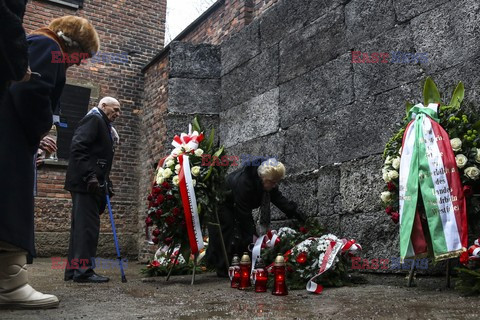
(84, 233)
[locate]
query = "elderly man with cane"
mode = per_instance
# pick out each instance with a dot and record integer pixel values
(91, 156)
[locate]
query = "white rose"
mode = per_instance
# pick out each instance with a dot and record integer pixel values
(393, 174)
(388, 160)
(477, 157)
(177, 151)
(198, 152)
(177, 168)
(386, 177)
(159, 180)
(167, 173)
(175, 180)
(386, 196)
(396, 163)
(400, 151)
(170, 163)
(187, 148)
(456, 144)
(159, 174)
(194, 182)
(472, 172)
(461, 160)
(196, 171)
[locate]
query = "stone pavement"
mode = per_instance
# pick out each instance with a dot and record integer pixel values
(384, 297)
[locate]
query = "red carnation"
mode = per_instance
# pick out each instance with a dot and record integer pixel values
(158, 213)
(391, 186)
(170, 220)
(389, 210)
(149, 198)
(176, 211)
(156, 232)
(160, 199)
(166, 185)
(156, 190)
(155, 264)
(167, 240)
(155, 240)
(170, 197)
(395, 217)
(148, 221)
(277, 241)
(302, 258)
(303, 230)
(290, 269)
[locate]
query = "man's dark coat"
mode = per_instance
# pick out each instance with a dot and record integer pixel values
(91, 153)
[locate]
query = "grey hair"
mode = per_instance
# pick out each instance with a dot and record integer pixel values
(271, 169)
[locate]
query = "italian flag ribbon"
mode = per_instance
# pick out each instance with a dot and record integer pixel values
(428, 166)
(189, 202)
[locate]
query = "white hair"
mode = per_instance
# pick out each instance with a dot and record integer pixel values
(108, 100)
(271, 169)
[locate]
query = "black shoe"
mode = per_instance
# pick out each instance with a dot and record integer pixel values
(68, 278)
(94, 278)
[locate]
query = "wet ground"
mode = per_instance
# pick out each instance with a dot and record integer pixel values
(383, 297)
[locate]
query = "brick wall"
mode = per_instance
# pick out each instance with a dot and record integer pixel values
(154, 134)
(227, 17)
(135, 28)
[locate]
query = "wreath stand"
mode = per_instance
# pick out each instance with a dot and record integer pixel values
(195, 257)
(448, 274)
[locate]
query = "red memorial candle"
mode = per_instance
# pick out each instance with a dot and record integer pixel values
(245, 266)
(279, 285)
(235, 272)
(261, 276)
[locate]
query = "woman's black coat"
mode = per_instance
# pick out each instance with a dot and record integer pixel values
(26, 111)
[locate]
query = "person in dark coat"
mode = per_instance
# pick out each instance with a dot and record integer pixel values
(13, 43)
(26, 112)
(91, 156)
(252, 186)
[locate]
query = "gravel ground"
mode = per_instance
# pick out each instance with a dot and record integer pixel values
(383, 297)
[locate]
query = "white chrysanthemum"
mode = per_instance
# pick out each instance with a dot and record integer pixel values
(286, 231)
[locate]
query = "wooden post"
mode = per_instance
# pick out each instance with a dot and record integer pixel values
(410, 275)
(194, 267)
(448, 273)
(174, 262)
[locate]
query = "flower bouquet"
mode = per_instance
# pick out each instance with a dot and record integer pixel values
(165, 258)
(312, 261)
(462, 125)
(431, 178)
(185, 194)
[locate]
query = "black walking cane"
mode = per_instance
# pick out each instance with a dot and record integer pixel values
(124, 279)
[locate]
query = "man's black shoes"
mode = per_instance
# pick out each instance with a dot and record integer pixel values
(94, 278)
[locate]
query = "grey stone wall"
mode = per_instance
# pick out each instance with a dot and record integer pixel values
(193, 88)
(289, 88)
(286, 86)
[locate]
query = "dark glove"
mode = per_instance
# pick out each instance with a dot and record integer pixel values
(92, 185)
